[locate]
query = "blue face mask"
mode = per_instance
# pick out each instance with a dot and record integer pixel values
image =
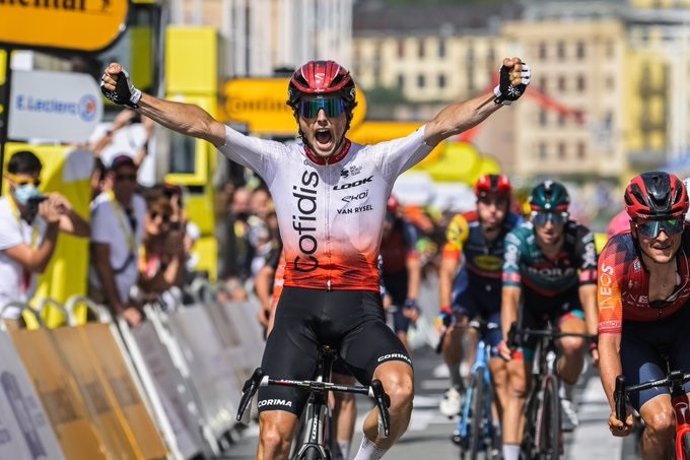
(25, 192)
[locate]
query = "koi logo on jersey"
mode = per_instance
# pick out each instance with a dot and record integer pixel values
(304, 222)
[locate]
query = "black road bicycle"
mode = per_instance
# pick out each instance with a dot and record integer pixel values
(543, 438)
(314, 439)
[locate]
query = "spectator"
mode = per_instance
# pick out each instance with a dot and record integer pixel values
(161, 258)
(117, 218)
(29, 230)
(98, 178)
(238, 250)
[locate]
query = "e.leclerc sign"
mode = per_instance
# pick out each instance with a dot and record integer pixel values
(78, 25)
(55, 106)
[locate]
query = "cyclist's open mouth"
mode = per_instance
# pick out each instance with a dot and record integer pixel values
(323, 137)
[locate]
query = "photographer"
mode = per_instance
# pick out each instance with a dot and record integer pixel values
(29, 227)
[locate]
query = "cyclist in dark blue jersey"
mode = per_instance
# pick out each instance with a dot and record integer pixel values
(470, 280)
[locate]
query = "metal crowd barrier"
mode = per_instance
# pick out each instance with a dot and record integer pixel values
(167, 388)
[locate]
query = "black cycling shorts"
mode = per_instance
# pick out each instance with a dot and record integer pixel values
(352, 322)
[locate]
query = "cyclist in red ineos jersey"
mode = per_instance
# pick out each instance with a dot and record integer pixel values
(643, 294)
(330, 196)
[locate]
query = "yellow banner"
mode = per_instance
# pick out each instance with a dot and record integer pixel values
(81, 25)
(260, 103)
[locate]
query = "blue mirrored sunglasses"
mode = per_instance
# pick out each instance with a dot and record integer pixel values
(540, 218)
(331, 105)
(652, 228)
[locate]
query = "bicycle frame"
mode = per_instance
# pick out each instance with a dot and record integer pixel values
(317, 412)
(679, 400)
(545, 375)
(479, 368)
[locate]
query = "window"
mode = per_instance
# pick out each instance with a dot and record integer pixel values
(401, 81)
(561, 83)
(401, 48)
(421, 81)
(441, 81)
(542, 51)
(581, 83)
(543, 117)
(542, 84)
(560, 50)
(442, 48)
(581, 151)
(561, 151)
(580, 50)
(542, 151)
(420, 49)
(561, 120)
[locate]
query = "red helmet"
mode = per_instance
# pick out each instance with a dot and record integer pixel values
(321, 77)
(493, 183)
(392, 205)
(656, 195)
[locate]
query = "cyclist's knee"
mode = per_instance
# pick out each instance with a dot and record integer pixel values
(573, 345)
(275, 433)
(661, 423)
(398, 383)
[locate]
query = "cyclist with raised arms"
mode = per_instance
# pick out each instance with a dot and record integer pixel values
(470, 281)
(330, 224)
(643, 292)
(549, 272)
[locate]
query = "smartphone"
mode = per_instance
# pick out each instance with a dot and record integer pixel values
(35, 200)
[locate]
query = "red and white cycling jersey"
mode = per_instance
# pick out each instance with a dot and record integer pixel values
(330, 213)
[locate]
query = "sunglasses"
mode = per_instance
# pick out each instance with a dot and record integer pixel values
(331, 105)
(23, 182)
(652, 228)
(164, 217)
(126, 177)
(540, 218)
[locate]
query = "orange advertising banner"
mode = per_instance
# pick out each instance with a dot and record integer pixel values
(78, 25)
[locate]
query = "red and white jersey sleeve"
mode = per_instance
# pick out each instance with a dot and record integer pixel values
(330, 214)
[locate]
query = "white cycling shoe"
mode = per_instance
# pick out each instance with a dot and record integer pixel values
(569, 419)
(451, 402)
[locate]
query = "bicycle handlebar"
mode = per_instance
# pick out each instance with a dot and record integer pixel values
(619, 398)
(620, 391)
(518, 335)
(374, 391)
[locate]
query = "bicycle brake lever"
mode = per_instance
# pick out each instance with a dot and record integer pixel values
(248, 390)
(383, 401)
(619, 398)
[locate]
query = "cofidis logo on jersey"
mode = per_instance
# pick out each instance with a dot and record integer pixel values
(54, 106)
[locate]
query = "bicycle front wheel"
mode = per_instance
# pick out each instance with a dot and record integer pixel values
(477, 404)
(550, 426)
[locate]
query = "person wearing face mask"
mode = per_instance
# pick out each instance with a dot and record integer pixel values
(330, 197)
(29, 226)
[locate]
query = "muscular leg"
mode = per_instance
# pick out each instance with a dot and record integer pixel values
(398, 382)
(344, 414)
(513, 419)
(453, 351)
(658, 437)
(573, 359)
(499, 378)
(276, 430)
